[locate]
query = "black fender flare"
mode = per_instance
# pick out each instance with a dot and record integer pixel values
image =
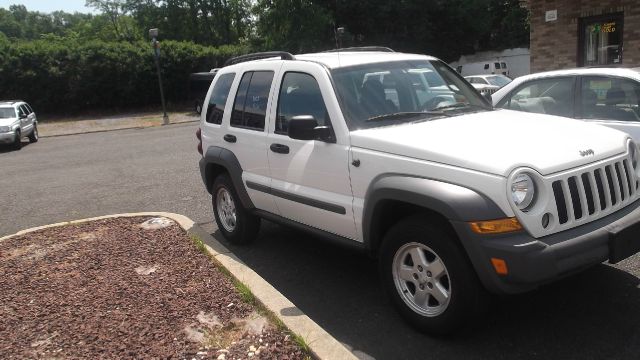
(214, 161)
(454, 202)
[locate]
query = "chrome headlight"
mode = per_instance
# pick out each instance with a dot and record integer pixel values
(523, 191)
(4, 129)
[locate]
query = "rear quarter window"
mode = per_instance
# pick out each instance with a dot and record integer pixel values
(218, 100)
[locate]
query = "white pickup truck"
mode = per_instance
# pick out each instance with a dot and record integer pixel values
(454, 198)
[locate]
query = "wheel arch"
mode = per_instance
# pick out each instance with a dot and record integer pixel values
(216, 161)
(391, 198)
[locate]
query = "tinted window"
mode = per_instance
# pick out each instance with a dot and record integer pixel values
(496, 65)
(250, 105)
(218, 99)
(299, 95)
(23, 110)
(610, 99)
(28, 108)
(486, 66)
(503, 65)
(547, 96)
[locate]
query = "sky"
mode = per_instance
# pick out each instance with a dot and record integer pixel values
(48, 6)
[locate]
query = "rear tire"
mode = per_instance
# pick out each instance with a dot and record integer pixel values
(429, 278)
(17, 142)
(33, 137)
(235, 222)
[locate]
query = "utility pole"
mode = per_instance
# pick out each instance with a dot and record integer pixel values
(153, 34)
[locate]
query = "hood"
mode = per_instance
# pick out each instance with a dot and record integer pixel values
(497, 141)
(7, 121)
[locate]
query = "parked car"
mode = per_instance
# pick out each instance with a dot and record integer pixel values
(453, 197)
(17, 120)
(198, 86)
(488, 83)
(606, 96)
(484, 67)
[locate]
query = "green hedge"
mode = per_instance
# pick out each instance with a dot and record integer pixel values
(63, 76)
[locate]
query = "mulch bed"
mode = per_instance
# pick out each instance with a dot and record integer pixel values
(111, 289)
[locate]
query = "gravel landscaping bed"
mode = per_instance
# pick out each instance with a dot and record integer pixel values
(113, 289)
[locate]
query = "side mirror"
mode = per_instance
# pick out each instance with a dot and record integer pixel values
(305, 127)
(22, 116)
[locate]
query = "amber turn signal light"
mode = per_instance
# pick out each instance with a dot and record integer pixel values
(500, 266)
(496, 226)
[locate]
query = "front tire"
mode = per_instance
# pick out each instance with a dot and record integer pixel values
(235, 222)
(17, 142)
(33, 137)
(430, 280)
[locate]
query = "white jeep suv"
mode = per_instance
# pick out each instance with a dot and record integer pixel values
(453, 197)
(17, 120)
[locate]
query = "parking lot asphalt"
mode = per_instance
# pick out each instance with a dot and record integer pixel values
(593, 315)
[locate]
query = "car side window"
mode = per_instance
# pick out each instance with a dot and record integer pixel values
(486, 66)
(28, 107)
(544, 96)
(218, 100)
(299, 95)
(23, 110)
(607, 98)
(250, 105)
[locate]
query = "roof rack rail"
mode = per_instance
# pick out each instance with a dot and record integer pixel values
(257, 56)
(11, 101)
(363, 48)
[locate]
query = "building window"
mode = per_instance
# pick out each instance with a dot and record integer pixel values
(600, 40)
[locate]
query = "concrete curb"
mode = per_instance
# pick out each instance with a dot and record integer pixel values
(320, 342)
(124, 128)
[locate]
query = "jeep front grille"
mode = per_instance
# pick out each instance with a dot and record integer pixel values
(591, 193)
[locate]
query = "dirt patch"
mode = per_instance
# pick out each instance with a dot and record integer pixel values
(111, 289)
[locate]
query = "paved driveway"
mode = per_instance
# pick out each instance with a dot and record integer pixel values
(594, 315)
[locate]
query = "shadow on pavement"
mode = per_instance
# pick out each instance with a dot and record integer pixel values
(592, 315)
(5, 148)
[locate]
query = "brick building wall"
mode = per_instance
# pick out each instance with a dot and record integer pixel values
(554, 44)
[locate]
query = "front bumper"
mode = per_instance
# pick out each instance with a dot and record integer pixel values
(7, 137)
(532, 262)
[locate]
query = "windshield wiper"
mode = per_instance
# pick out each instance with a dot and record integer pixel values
(405, 114)
(459, 106)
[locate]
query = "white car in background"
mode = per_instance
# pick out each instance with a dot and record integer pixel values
(488, 84)
(606, 96)
(17, 120)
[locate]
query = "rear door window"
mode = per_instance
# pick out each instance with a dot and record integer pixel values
(607, 98)
(251, 100)
(218, 100)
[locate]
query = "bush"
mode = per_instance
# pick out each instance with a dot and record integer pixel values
(63, 75)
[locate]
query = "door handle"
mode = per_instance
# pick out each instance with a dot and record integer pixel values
(279, 148)
(230, 138)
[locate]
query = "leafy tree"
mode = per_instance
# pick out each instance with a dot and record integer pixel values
(293, 25)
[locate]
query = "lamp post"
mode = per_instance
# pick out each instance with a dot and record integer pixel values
(153, 34)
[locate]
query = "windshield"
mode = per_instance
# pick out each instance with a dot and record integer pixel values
(498, 80)
(7, 112)
(388, 93)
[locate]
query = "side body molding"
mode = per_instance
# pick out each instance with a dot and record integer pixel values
(217, 160)
(454, 202)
